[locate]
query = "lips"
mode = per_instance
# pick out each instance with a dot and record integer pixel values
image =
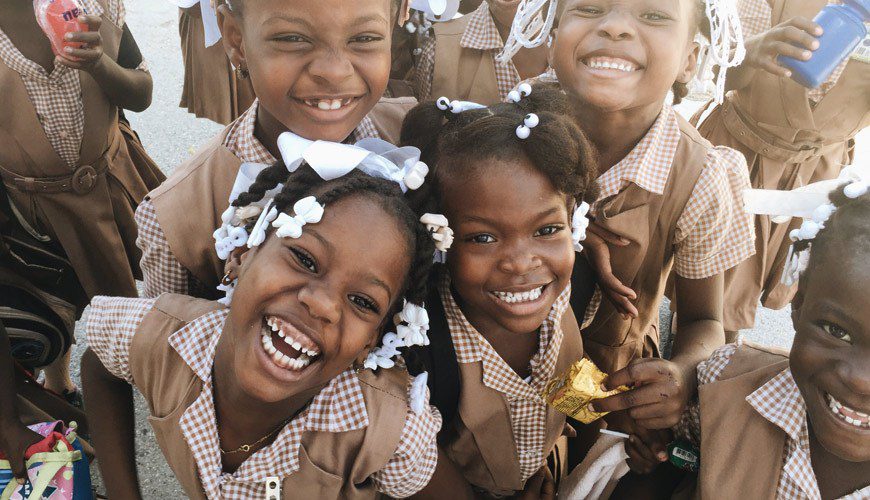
(519, 297)
(287, 346)
(846, 414)
(611, 63)
(521, 301)
(328, 104)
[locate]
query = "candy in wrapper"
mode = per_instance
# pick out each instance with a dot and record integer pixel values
(572, 391)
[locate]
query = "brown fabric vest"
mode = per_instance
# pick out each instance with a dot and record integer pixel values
(481, 441)
(95, 229)
(748, 467)
(190, 203)
(648, 221)
(462, 73)
(332, 465)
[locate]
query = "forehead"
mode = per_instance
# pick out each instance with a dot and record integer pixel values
(840, 277)
(669, 4)
(319, 13)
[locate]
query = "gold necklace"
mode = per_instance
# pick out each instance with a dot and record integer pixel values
(245, 448)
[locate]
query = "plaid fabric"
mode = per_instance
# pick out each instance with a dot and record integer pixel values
(780, 402)
(339, 407)
(161, 271)
(755, 18)
(480, 34)
(528, 411)
(57, 96)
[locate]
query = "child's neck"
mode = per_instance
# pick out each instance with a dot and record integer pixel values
(267, 129)
(614, 133)
(836, 477)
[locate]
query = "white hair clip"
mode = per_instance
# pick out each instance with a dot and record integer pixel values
(413, 332)
(522, 90)
(441, 233)
(306, 210)
(529, 122)
(456, 107)
(415, 173)
(417, 393)
(436, 10)
(579, 224)
(258, 232)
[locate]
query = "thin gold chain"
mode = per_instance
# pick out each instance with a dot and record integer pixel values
(245, 448)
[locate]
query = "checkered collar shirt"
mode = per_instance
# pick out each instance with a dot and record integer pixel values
(482, 34)
(527, 409)
(339, 407)
(240, 139)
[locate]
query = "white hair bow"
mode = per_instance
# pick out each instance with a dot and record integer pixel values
(413, 332)
(579, 224)
(437, 10)
(307, 211)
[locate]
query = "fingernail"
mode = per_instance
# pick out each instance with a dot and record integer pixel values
(815, 44)
(68, 50)
(20, 481)
(807, 54)
(68, 36)
(662, 456)
(788, 74)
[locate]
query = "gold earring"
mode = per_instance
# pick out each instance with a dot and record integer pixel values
(242, 73)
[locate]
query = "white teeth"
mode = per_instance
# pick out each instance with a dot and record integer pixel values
(623, 66)
(328, 104)
(513, 298)
(847, 414)
(324, 105)
(336, 104)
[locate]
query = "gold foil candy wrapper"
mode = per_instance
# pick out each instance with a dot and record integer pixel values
(572, 391)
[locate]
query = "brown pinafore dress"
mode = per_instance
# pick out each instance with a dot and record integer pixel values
(480, 440)
(88, 209)
(190, 203)
(788, 142)
(649, 222)
(748, 467)
(211, 88)
(459, 72)
(332, 465)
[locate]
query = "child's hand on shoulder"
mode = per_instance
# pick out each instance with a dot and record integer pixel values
(794, 38)
(596, 248)
(90, 55)
(658, 395)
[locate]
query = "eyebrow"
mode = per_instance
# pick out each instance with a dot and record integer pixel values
(378, 282)
(541, 215)
(290, 19)
(323, 241)
(369, 18)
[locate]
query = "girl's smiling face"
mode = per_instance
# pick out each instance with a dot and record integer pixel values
(304, 309)
(623, 54)
(513, 253)
(317, 66)
(830, 358)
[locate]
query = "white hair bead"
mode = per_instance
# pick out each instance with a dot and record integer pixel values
(523, 132)
(514, 96)
(525, 89)
(856, 189)
(823, 212)
(531, 120)
(443, 103)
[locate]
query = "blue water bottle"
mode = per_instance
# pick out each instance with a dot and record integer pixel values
(844, 29)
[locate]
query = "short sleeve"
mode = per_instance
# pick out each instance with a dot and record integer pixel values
(413, 463)
(714, 232)
(111, 325)
(709, 371)
(755, 16)
(161, 271)
(425, 69)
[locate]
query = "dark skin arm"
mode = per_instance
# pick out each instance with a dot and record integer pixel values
(125, 88)
(110, 400)
(15, 437)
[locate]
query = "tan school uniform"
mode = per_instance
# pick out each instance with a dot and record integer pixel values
(357, 437)
(211, 88)
(748, 391)
(503, 431)
(676, 199)
(84, 201)
(179, 217)
(791, 136)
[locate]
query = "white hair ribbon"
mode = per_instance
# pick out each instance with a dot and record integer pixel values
(413, 332)
(726, 49)
(211, 30)
(439, 229)
(529, 29)
(579, 224)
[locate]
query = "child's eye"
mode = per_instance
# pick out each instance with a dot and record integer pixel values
(366, 39)
(482, 238)
(836, 332)
(291, 38)
(365, 303)
(549, 230)
(304, 259)
(655, 16)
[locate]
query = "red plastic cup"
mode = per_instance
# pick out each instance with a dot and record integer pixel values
(57, 18)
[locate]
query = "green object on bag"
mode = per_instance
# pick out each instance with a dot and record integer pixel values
(683, 455)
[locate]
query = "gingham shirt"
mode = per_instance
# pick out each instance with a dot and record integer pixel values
(480, 34)
(339, 407)
(713, 233)
(162, 273)
(780, 402)
(528, 411)
(57, 96)
(755, 18)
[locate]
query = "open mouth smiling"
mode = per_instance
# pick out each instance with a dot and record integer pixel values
(521, 301)
(846, 414)
(286, 346)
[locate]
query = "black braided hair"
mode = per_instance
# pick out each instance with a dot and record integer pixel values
(306, 182)
(848, 226)
(453, 144)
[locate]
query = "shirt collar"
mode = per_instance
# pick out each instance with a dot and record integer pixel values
(649, 164)
(481, 33)
(780, 402)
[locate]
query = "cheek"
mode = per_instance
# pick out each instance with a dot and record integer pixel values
(468, 268)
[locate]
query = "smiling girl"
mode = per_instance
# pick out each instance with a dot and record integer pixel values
(510, 179)
(318, 69)
(273, 389)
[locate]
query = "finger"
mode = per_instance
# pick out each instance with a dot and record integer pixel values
(608, 236)
(659, 422)
(569, 431)
(612, 283)
(93, 22)
(82, 54)
(89, 37)
(641, 396)
(636, 458)
(656, 441)
(806, 25)
(772, 67)
(643, 450)
(798, 36)
(639, 371)
(651, 411)
(622, 303)
(788, 50)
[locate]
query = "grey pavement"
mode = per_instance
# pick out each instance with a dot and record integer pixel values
(171, 135)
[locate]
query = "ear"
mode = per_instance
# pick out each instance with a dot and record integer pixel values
(234, 264)
(231, 32)
(796, 303)
(551, 50)
(691, 64)
(404, 13)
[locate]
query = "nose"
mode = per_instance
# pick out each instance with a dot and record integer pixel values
(854, 373)
(616, 25)
(320, 302)
(518, 259)
(331, 66)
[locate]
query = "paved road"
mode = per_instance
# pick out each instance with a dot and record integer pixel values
(171, 135)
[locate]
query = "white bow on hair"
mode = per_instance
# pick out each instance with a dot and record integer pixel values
(579, 224)
(307, 211)
(437, 10)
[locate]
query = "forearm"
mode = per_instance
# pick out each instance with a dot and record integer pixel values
(126, 88)
(8, 409)
(699, 322)
(109, 401)
(739, 77)
(446, 482)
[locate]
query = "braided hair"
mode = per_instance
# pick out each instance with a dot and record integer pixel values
(306, 182)
(454, 143)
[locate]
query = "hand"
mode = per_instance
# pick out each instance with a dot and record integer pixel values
(647, 449)
(540, 486)
(15, 439)
(89, 56)
(595, 246)
(794, 38)
(659, 393)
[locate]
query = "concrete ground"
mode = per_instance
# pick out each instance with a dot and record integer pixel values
(171, 135)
